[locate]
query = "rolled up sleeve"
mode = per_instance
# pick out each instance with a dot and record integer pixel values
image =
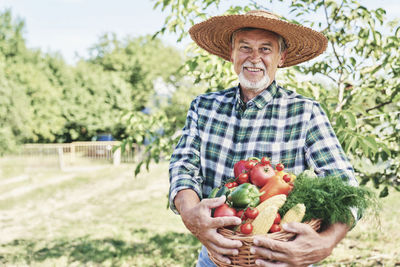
(323, 150)
(184, 169)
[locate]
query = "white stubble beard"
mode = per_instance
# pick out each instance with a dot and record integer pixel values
(254, 86)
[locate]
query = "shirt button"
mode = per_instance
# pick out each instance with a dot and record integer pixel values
(250, 104)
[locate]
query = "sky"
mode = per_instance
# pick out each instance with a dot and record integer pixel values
(71, 27)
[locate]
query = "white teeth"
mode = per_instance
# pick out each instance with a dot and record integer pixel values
(253, 69)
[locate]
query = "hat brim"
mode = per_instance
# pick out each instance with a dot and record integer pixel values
(214, 35)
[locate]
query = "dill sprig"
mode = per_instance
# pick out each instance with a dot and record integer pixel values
(330, 199)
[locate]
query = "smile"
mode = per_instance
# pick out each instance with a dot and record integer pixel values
(253, 69)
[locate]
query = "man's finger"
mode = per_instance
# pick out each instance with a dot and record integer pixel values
(268, 253)
(219, 222)
(220, 257)
(297, 228)
(224, 250)
(221, 241)
(214, 202)
(271, 244)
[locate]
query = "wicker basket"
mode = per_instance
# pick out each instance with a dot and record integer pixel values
(245, 258)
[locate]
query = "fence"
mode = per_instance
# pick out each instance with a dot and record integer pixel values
(81, 152)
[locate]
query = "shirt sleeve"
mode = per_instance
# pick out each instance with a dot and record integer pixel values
(323, 150)
(325, 154)
(184, 165)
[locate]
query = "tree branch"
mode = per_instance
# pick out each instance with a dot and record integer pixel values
(379, 106)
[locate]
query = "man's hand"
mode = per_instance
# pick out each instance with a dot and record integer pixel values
(307, 248)
(197, 219)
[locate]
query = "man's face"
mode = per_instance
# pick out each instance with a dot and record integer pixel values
(256, 57)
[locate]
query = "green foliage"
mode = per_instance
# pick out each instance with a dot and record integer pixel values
(356, 80)
(156, 131)
(30, 101)
(42, 99)
(329, 199)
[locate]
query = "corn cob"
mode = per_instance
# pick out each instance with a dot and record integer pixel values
(276, 201)
(295, 214)
(263, 222)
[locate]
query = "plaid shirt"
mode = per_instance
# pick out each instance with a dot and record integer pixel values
(221, 129)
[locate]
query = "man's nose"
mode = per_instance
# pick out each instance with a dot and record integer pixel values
(255, 56)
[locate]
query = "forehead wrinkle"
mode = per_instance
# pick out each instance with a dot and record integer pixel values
(266, 43)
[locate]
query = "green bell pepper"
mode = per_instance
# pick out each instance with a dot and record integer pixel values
(245, 195)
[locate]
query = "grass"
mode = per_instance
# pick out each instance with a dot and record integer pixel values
(97, 217)
(103, 216)
(372, 242)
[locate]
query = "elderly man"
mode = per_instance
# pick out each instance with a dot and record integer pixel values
(255, 119)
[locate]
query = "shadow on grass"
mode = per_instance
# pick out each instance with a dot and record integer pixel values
(143, 249)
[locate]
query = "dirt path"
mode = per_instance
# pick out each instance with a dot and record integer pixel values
(16, 179)
(66, 205)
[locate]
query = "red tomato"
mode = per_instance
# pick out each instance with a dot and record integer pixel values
(239, 168)
(243, 178)
(251, 213)
(224, 210)
(265, 161)
(246, 228)
(241, 215)
(279, 167)
(260, 174)
(275, 228)
(231, 185)
(277, 218)
(250, 164)
(287, 178)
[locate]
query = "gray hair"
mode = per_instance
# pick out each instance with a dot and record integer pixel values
(281, 40)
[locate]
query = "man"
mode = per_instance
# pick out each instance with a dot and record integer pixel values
(258, 118)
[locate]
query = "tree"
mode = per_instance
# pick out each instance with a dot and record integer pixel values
(29, 101)
(356, 80)
(42, 99)
(140, 62)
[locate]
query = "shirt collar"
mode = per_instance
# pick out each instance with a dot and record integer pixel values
(261, 100)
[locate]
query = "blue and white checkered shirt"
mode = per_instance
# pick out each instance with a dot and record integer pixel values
(280, 124)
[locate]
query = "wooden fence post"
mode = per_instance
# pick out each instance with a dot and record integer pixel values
(117, 157)
(60, 158)
(72, 145)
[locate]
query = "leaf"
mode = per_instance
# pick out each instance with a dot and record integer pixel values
(384, 192)
(371, 143)
(353, 61)
(192, 65)
(351, 144)
(138, 167)
(165, 4)
(123, 146)
(350, 118)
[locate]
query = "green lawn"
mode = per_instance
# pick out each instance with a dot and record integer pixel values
(100, 215)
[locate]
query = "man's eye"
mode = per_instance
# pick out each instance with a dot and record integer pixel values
(245, 48)
(265, 49)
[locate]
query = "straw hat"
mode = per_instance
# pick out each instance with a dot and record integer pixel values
(214, 35)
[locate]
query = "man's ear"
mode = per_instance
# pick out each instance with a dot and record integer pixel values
(282, 59)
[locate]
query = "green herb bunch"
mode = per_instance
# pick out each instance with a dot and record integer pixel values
(330, 199)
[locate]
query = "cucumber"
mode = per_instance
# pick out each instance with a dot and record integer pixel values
(213, 192)
(222, 191)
